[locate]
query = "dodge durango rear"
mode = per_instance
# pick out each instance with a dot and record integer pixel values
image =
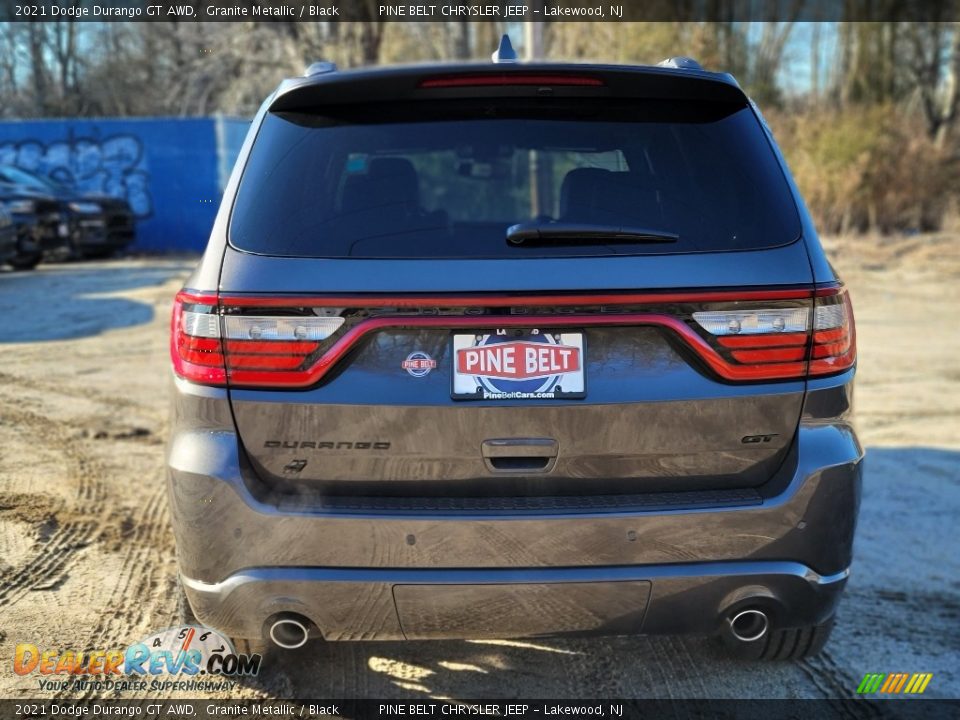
(512, 350)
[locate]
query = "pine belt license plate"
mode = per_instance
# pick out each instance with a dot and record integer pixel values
(509, 364)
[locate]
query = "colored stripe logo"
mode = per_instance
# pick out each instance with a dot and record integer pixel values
(894, 683)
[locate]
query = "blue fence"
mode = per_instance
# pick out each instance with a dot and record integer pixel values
(171, 170)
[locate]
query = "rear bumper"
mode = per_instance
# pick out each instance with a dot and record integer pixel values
(391, 604)
(8, 242)
(105, 232)
(415, 573)
(50, 230)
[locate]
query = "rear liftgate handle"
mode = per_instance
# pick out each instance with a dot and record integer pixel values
(520, 455)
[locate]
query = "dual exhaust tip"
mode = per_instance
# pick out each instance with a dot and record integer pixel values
(748, 625)
(289, 631)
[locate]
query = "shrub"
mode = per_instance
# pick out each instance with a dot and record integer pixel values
(867, 168)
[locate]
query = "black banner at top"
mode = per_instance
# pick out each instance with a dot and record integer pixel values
(478, 10)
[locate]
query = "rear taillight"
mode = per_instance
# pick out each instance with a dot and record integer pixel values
(274, 349)
(834, 341)
(195, 347)
(208, 344)
(766, 343)
(293, 342)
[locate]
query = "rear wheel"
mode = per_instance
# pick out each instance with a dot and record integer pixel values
(95, 253)
(26, 261)
(785, 644)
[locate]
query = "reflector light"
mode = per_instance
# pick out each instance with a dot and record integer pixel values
(261, 327)
(754, 322)
(834, 335)
(195, 348)
(829, 316)
(200, 324)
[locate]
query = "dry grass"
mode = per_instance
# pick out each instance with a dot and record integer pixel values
(868, 168)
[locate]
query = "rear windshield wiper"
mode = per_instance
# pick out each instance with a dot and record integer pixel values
(563, 233)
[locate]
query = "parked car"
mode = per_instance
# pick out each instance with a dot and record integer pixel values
(42, 226)
(514, 350)
(8, 237)
(99, 225)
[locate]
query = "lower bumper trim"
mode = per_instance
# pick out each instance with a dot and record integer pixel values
(385, 604)
(408, 576)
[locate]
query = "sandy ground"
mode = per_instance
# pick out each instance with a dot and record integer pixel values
(87, 559)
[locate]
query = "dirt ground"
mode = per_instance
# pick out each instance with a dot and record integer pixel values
(87, 559)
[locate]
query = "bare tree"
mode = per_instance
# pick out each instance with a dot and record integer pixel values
(934, 64)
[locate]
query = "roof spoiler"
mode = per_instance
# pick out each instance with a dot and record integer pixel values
(420, 82)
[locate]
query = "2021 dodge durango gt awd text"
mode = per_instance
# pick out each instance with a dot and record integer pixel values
(514, 350)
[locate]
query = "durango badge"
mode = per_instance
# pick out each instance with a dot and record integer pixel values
(419, 363)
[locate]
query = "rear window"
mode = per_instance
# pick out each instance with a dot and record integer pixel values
(447, 179)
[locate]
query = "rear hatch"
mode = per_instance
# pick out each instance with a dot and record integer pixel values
(523, 285)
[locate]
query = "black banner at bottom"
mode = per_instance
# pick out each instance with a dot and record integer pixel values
(906, 709)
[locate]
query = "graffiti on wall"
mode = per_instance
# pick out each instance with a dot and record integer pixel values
(113, 166)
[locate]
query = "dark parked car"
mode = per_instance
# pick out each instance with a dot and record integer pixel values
(514, 350)
(42, 225)
(8, 237)
(98, 225)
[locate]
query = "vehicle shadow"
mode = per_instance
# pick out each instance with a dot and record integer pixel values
(529, 668)
(61, 302)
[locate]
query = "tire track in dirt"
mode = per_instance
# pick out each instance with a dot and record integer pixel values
(833, 682)
(52, 557)
(80, 393)
(143, 561)
(113, 506)
(47, 565)
(693, 668)
(144, 551)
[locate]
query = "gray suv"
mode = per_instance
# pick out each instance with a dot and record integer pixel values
(504, 350)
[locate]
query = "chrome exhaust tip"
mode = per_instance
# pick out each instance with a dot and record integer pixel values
(749, 625)
(290, 632)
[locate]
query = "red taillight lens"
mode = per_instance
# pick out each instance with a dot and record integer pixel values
(275, 349)
(769, 342)
(761, 341)
(210, 343)
(834, 341)
(195, 347)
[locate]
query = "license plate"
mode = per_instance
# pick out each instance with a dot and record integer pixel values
(518, 365)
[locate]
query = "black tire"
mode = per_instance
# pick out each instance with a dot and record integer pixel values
(26, 261)
(787, 644)
(96, 254)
